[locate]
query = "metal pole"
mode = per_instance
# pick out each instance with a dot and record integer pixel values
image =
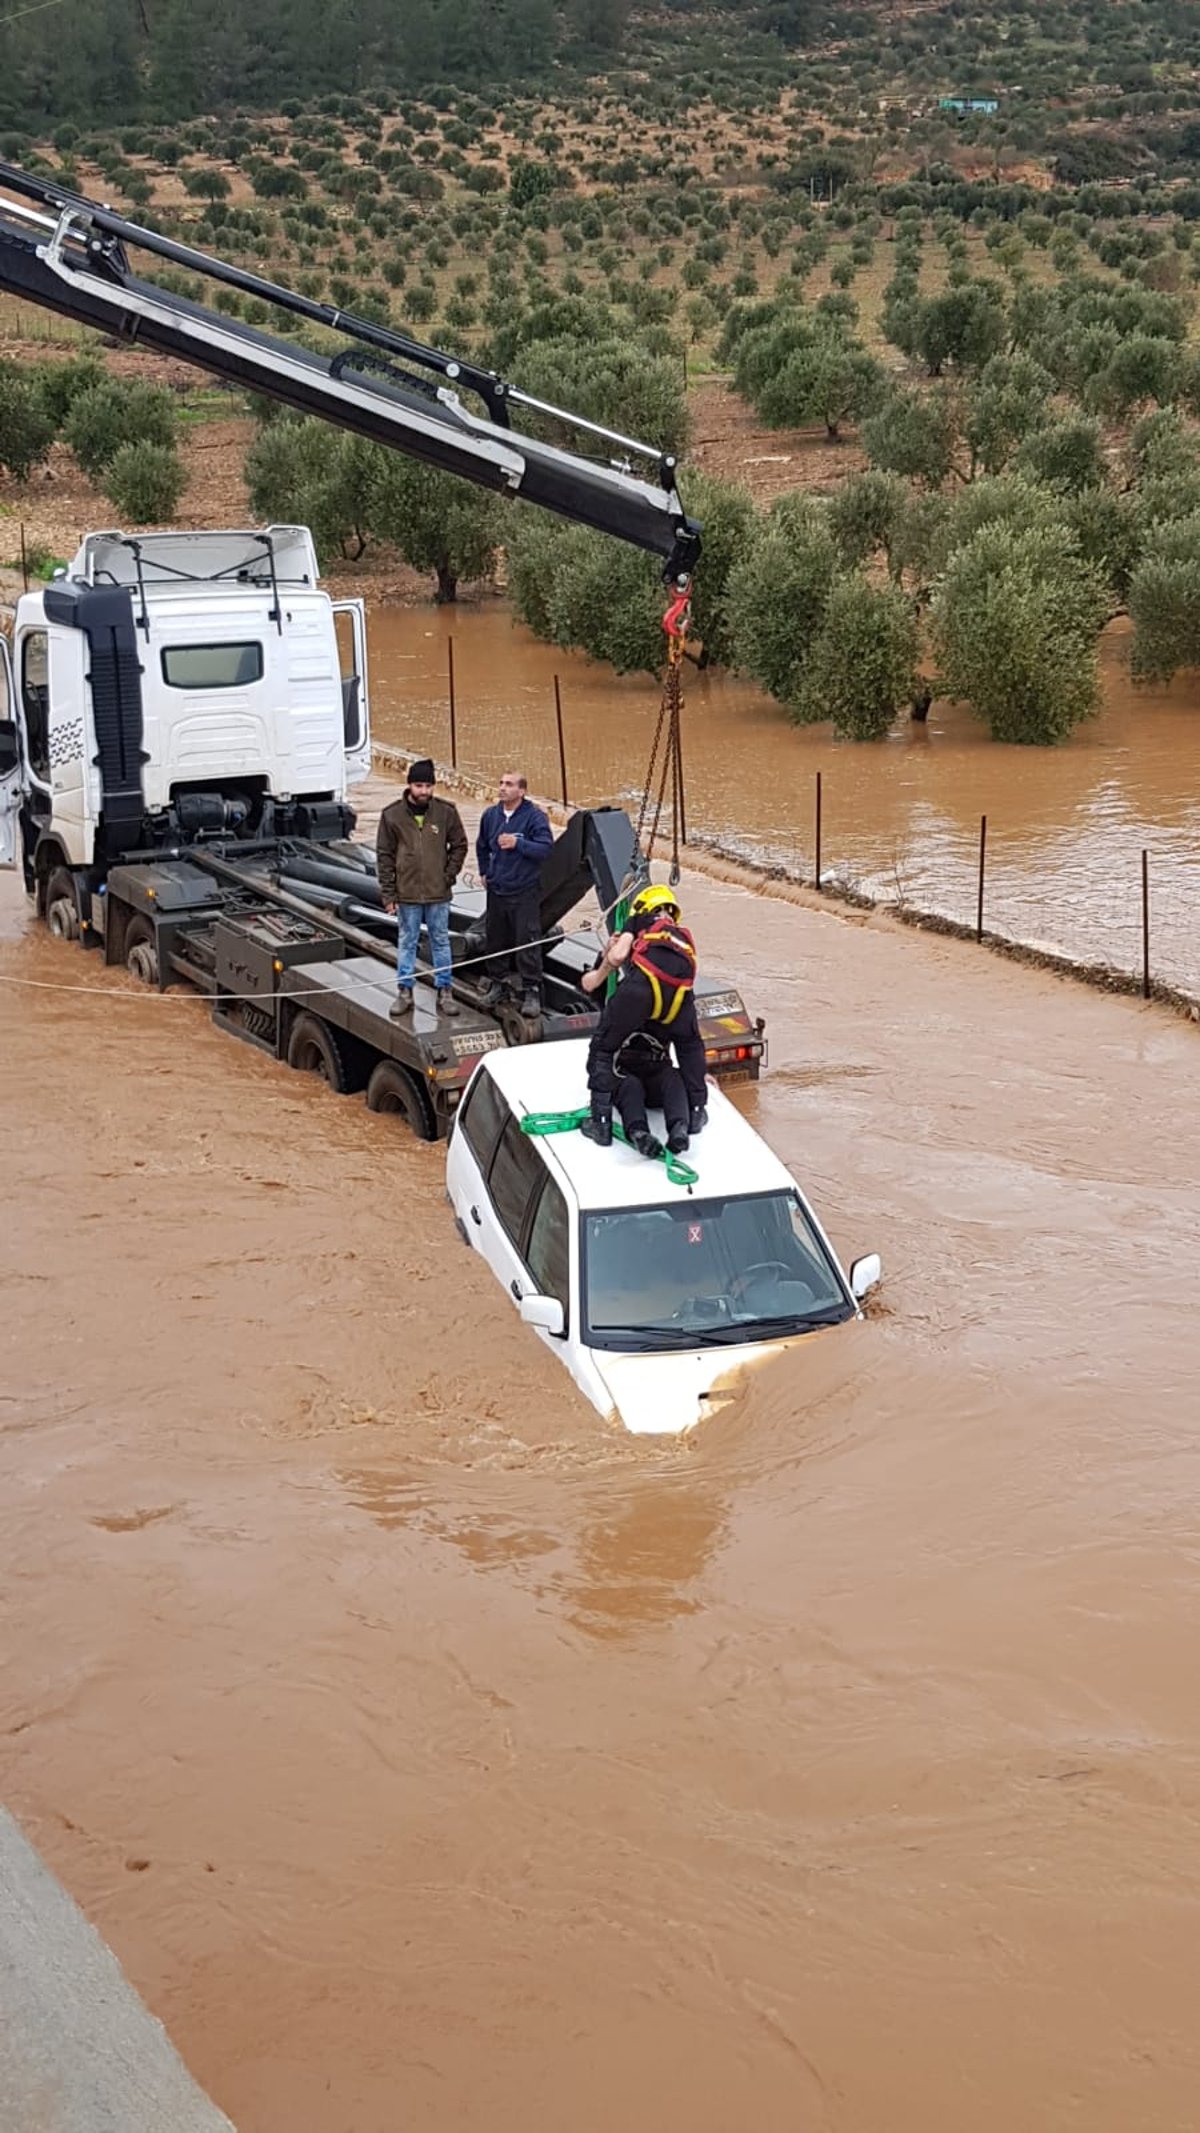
(982, 858)
(817, 866)
(1145, 925)
(562, 746)
(24, 558)
(453, 707)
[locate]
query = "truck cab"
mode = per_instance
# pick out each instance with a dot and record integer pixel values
(169, 685)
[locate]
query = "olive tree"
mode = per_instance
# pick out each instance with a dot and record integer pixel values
(1005, 405)
(860, 669)
(1017, 617)
(312, 475)
(1164, 601)
(777, 595)
(832, 380)
(438, 522)
(27, 425)
(914, 434)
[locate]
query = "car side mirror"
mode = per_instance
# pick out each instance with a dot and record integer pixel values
(865, 1275)
(544, 1312)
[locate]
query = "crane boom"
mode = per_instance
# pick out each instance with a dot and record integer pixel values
(70, 255)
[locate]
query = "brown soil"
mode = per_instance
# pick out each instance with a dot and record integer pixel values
(728, 440)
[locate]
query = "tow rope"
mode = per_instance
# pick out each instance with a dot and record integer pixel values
(666, 755)
(540, 1122)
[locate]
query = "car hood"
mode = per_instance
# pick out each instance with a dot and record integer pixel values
(662, 1395)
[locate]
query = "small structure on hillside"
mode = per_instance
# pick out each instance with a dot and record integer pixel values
(970, 106)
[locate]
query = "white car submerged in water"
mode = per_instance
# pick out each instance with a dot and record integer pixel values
(653, 1293)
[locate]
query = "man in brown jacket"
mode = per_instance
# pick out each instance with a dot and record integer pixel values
(419, 850)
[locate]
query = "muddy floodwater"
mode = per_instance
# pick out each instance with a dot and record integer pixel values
(434, 1756)
(1066, 826)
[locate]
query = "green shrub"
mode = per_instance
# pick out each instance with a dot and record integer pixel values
(27, 427)
(145, 482)
(113, 414)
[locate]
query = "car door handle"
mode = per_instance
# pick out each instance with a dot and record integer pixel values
(476, 1218)
(517, 1290)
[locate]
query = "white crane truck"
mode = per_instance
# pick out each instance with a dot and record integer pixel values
(181, 734)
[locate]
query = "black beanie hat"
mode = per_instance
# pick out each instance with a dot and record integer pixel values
(421, 773)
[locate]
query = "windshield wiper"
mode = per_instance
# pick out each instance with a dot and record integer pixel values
(666, 1336)
(794, 1321)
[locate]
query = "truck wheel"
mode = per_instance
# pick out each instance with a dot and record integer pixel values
(393, 1089)
(62, 906)
(314, 1047)
(518, 1028)
(141, 950)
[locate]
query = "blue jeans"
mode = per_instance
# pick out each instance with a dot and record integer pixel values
(436, 919)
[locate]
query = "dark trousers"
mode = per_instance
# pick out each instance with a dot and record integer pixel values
(631, 1008)
(513, 922)
(664, 1089)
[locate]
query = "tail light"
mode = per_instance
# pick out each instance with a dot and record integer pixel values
(732, 1054)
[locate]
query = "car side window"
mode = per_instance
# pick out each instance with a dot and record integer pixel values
(482, 1119)
(548, 1254)
(515, 1174)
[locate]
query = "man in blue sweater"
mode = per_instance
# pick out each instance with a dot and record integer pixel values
(514, 838)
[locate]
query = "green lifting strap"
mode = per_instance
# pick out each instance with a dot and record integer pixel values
(540, 1122)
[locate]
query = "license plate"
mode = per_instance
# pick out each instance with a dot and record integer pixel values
(728, 1074)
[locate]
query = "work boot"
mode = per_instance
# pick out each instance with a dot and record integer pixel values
(643, 1140)
(598, 1128)
(677, 1141)
(698, 1120)
(489, 990)
(446, 1002)
(531, 1005)
(402, 1004)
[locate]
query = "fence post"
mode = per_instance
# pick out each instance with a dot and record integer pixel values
(453, 706)
(562, 746)
(1145, 925)
(817, 863)
(982, 858)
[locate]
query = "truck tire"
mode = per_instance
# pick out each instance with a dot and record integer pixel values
(395, 1090)
(62, 906)
(141, 949)
(315, 1047)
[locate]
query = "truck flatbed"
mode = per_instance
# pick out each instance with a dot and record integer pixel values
(304, 970)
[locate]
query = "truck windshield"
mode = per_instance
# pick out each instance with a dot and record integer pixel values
(699, 1273)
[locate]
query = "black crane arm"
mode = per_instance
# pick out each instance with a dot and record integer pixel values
(70, 255)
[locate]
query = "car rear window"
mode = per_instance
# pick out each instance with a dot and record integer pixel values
(515, 1175)
(482, 1119)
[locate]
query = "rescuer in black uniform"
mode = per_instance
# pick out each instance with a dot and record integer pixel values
(657, 958)
(647, 1075)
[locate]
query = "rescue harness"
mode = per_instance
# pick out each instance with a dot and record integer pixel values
(658, 953)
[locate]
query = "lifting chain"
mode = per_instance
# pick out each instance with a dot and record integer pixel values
(666, 755)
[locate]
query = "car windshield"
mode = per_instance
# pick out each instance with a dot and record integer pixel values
(701, 1273)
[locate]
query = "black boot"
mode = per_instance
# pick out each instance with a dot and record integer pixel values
(677, 1140)
(643, 1140)
(598, 1127)
(531, 1005)
(698, 1120)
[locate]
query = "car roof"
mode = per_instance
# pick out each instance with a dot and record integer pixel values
(728, 1157)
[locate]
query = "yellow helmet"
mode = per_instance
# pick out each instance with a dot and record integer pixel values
(654, 898)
